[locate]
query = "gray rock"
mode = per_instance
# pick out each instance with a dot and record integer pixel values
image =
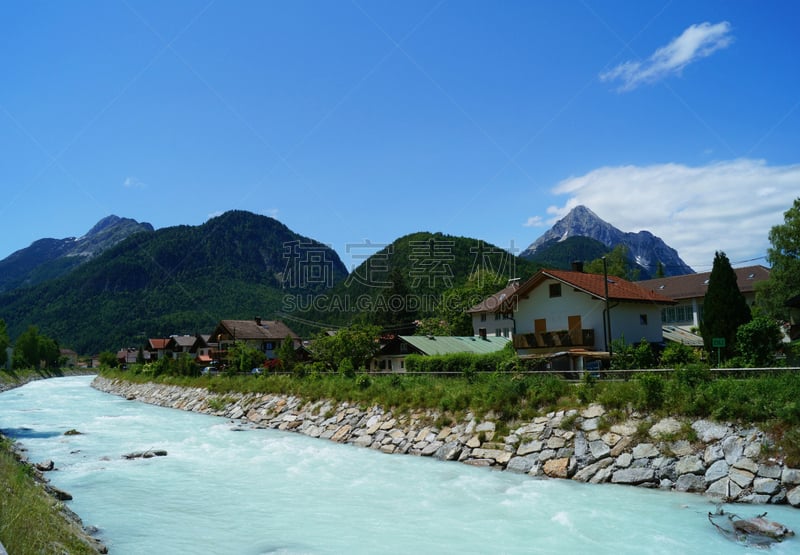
(522, 465)
(713, 453)
(587, 473)
(746, 464)
(770, 471)
(363, 441)
(790, 477)
(766, 486)
(690, 465)
(779, 498)
(593, 411)
(624, 460)
(580, 445)
(666, 483)
(681, 448)
(45, 466)
(599, 449)
(546, 455)
(741, 477)
(431, 448)
(530, 447)
(590, 424)
(665, 427)
(603, 475)
(690, 482)
(645, 451)
(725, 489)
(565, 452)
(716, 471)
(633, 476)
(709, 431)
(793, 496)
(733, 447)
(555, 443)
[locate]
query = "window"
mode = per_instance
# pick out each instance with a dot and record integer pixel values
(497, 317)
(483, 317)
(498, 332)
(505, 332)
(677, 314)
(555, 290)
(643, 319)
(403, 347)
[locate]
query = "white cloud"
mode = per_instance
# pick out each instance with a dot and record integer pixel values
(271, 212)
(133, 183)
(696, 42)
(728, 206)
(534, 221)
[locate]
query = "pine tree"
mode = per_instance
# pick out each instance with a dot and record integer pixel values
(724, 306)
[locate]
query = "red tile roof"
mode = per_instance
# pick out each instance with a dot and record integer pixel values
(695, 285)
(594, 284)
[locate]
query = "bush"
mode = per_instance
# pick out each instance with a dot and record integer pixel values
(758, 341)
(652, 391)
(676, 355)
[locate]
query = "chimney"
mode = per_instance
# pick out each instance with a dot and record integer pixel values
(482, 333)
(258, 321)
(577, 266)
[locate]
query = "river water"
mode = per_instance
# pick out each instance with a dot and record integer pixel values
(222, 491)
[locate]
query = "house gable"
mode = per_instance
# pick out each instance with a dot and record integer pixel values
(559, 309)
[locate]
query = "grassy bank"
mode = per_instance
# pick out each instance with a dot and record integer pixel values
(31, 520)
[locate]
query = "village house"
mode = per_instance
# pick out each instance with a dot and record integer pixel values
(264, 335)
(689, 291)
(562, 310)
(493, 316)
(391, 357)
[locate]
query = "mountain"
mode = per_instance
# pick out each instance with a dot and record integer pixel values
(646, 250)
(51, 258)
(406, 280)
(181, 279)
(561, 254)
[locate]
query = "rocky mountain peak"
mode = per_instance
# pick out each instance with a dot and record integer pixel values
(644, 248)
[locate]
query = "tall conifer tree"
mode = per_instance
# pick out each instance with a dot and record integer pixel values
(724, 306)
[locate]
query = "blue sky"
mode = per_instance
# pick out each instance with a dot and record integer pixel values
(362, 120)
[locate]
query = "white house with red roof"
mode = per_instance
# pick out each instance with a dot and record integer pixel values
(557, 310)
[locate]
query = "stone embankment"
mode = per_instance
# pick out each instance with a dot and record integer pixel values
(720, 460)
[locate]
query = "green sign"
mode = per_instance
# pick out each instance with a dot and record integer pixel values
(717, 341)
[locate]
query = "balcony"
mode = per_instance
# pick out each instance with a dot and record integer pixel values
(555, 340)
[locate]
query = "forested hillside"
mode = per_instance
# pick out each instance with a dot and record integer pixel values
(417, 276)
(180, 279)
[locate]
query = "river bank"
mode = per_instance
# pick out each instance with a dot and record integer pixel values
(48, 519)
(720, 460)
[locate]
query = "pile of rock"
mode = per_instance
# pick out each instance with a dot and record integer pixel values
(720, 460)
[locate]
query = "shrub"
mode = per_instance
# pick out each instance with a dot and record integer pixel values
(676, 355)
(363, 381)
(652, 391)
(758, 341)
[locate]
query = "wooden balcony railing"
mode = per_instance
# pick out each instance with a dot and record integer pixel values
(551, 339)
